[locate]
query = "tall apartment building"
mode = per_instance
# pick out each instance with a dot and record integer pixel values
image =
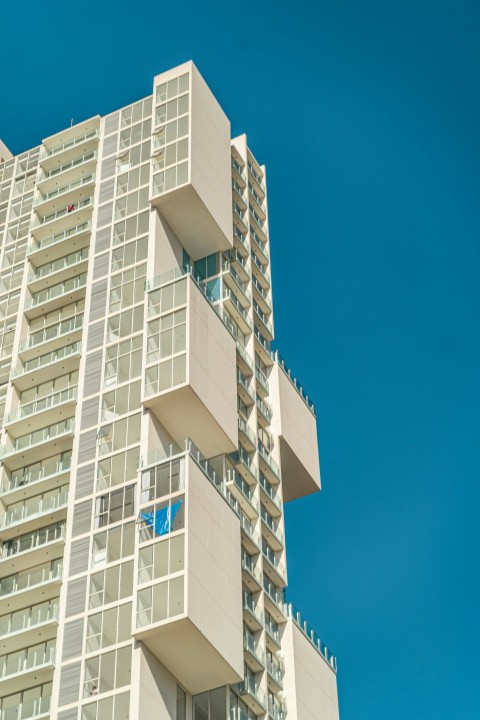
(150, 435)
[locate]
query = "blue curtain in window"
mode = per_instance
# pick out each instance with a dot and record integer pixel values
(162, 520)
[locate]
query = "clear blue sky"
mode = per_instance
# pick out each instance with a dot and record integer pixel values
(367, 115)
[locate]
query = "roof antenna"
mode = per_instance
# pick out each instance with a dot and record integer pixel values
(71, 122)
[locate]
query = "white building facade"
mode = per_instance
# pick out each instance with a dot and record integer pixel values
(150, 435)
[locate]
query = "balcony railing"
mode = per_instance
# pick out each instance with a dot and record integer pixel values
(275, 596)
(237, 167)
(32, 658)
(57, 291)
(31, 579)
(261, 267)
(227, 294)
(241, 456)
(35, 473)
(243, 286)
(47, 359)
(263, 342)
(269, 460)
(29, 710)
(28, 618)
(274, 561)
(247, 527)
(275, 670)
(42, 175)
(295, 382)
(64, 189)
(28, 511)
(53, 331)
(44, 153)
(88, 202)
(257, 177)
(262, 379)
(264, 408)
(272, 525)
(243, 381)
(250, 687)
(238, 233)
(59, 237)
(55, 266)
(250, 604)
(250, 644)
(244, 355)
(265, 320)
(242, 425)
(261, 291)
(32, 541)
(37, 438)
(275, 710)
(245, 489)
(269, 490)
(258, 220)
(45, 403)
(312, 636)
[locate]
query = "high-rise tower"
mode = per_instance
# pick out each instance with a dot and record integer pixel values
(150, 435)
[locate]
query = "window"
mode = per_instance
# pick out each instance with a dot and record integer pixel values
(115, 506)
(167, 336)
(113, 544)
(181, 704)
(119, 434)
(163, 480)
(109, 627)
(161, 601)
(112, 584)
(123, 361)
(107, 671)
(117, 469)
(127, 288)
(125, 323)
(162, 558)
(130, 253)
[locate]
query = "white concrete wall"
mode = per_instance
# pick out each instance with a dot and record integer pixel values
(309, 682)
(214, 590)
(296, 427)
(212, 366)
(5, 153)
(156, 687)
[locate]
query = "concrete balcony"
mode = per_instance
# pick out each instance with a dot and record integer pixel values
(46, 367)
(295, 425)
(51, 338)
(251, 577)
(61, 220)
(28, 626)
(38, 709)
(310, 672)
(35, 446)
(26, 587)
(30, 515)
(254, 655)
(56, 245)
(35, 548)
(192, 392)
(33, 665)
(252, 615)
(54, 297)
(72, 192)
(71, 144)
(198, 634)
(35, 479)
(57, 271)
(34, 415)
(252, 695)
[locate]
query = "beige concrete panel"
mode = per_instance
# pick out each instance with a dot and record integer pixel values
(309, 682)
(5, 153)
(296, 427)
(210, 154)
(212, 366)
(214, 583)
(157, 689)
(167, 250)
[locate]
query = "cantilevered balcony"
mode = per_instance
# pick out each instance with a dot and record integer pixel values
(25, 587)
(252, 615)
(251, 539)
(55, 155)
(256, 175)
(295, 425)
(35, 446)
(28, 626)
(252, 695)
(239, 172)
(260, 272)
(245, 465)
(46, 367)
(62, 220)
(28, 515)
(33, 665)
(32, 548)
(271, 530)
(244, 494)
(58, 244)
(274, 602)
(41, 412)
(69, 171)
(244, 388)
(37, 709)
(72, 192)
(190, 385)
(262, 296)
(254, 655)
(246, 436)
(51, 338)
(268, 465)
(270, 496)
(34, 479)
(57, 271)
(275, 672)
(54, 297)
(198, 633)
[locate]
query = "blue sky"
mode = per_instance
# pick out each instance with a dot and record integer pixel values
(367, 117)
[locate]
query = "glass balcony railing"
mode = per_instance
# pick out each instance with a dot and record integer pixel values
(29, 617)
(245, 489)
(57, 291)
(44, 153)
(53, 331)
(263, 342)
(227, 267)
(241, 456)
(257, 218)
(256, 197)
(261, 267)
(55, 266)
(238, 233)
(275, 595)
(265, 320)
(36, 473)
(243, 381)
(275, 670)
(42, 175)
(64, 189)
(247, 526)
(264, 408)
(262, 380)
(234, 256)
(273, 559)
(227, 294)
(45, 403)
(88, 202)
(244, 355)
(269, 490)
(237, 167)
(37, 438)
(240, 214)
(35, 507)
(257, 176)
(32, 541)
(294, 382)
(275, 710)
(269, 460)
(272, 525)
(58, 237)
(238, 189)
(37, 709)
(249, 565)
(32, 658)
(250, 644)
(251, 687)
(250, 604)
(261, 291)
(242, 425)
(48, 359)
(31, 579)
(310, 633)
